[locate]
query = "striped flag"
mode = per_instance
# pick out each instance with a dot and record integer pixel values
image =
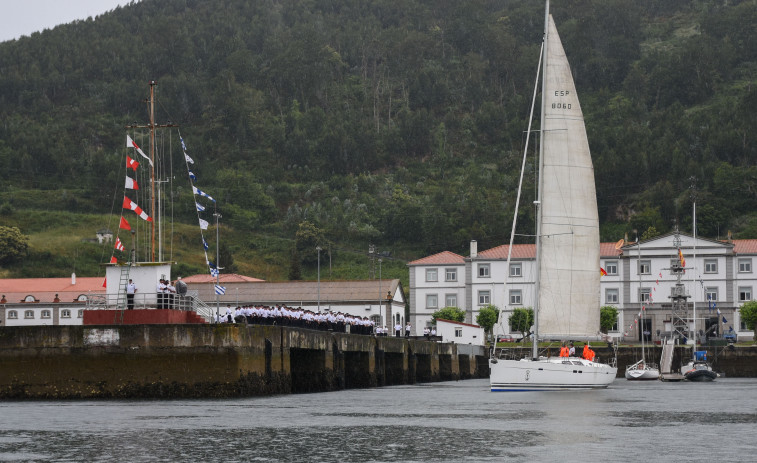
(130, 144)
(681, 259)
(129, 204)
(131, 184)
(197, 191)
(119, 245)
(200, 207)
(221, 290)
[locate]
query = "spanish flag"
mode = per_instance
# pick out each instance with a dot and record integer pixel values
(681, 259)
(602, 272)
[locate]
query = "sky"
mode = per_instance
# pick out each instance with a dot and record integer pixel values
(23, 17)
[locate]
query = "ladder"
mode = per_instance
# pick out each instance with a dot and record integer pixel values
(666, 360)
(123, 280)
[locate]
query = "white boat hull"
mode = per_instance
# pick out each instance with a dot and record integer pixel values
(641, 374)
(549, 374)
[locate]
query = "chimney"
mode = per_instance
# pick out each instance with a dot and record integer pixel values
(73, 279)
(730, 236)
(473, 248)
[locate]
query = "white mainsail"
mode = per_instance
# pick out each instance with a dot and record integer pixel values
(568, 299)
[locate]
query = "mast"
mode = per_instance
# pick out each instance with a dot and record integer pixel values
(535, 348)
(151, 126)
(638, 269)
(694, 287)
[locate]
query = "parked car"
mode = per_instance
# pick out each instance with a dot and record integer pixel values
(508, 338)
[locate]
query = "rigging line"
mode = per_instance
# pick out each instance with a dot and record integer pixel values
(170, 180)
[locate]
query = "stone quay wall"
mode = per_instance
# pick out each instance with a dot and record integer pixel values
(169, 361)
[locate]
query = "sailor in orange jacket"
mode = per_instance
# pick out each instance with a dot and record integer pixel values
(564, 351)
(588, 353)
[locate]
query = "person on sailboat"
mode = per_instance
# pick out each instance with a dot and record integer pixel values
(588, 353)
(564, 351)
(572, 350)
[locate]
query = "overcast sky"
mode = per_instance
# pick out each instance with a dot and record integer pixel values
(23, 17)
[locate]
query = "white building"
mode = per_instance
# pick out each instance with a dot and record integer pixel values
(460, 333)
(724, 269)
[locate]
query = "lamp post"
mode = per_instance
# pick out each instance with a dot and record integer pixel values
(318, 248)
(381, 317)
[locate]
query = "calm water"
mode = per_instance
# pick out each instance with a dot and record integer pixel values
(439, 422)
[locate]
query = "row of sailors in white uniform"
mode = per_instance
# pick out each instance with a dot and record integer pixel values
(287, 316)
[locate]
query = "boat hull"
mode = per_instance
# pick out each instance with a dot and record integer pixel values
(698, 372)
(549, 374)
(642, 374)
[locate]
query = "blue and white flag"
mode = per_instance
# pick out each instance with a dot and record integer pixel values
(724, 320)
(192, 176)
(197, 191)
(183, 146)
(188, 159)
(214, 272)
(203, 224)
(200, 207)
(204, 243)
(221, 290)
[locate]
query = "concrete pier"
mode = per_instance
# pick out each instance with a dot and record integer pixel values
(152, 361)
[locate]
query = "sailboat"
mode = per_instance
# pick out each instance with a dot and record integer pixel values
(642, 370)
(697, 369)
(567, 237)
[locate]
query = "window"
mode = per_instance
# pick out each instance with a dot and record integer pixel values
(450, 300)
(483, 270)
(431, 274)
(645, 294)
(29, 314)
(80, 313)
(65, 313)
(45, 314)
(745, 265)
(432, 301)
(615, 325)
(484, 297)
(12, 314)
(710, 266)
(516, 270)
(450, 274)
(611, 267)
(516, 297)
(711, 294)
(29, 298)
(82, 298)
(745, 293)
(611, 296)
(458, 332)
(645, 267)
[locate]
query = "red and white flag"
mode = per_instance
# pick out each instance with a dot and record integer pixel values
(130, 144)
(131, 163)
(124, 225)
(119, 245)
(131, 184)
(129, 204)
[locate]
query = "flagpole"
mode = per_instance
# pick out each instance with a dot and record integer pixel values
(218, 268)
(152, 169)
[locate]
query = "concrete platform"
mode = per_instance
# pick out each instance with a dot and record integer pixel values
(140, 317)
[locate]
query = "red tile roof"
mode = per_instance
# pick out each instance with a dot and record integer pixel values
(224, 278)
(45, 289)
(520, 251)
(608, 250)
(443, 258)
(745, 246)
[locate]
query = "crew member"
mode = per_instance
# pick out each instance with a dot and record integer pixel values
(131, 290)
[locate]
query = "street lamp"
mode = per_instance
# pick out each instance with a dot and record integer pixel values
(318, 248)
(380, 309)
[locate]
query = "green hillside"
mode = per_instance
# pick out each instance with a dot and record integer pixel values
(394, 123)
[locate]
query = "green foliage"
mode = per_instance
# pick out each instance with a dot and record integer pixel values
(649, 233)
(307, 239)
(487, 317)
(454, 314)
(608, 317)
(396, 123)
(13, 244)
(522, 319)
(748, 313)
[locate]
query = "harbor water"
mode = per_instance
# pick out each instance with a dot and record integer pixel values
(439, 422)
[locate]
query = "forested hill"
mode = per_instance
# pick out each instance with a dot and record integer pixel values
(395, 122)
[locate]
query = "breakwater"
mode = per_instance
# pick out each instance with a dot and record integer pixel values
(168, 361)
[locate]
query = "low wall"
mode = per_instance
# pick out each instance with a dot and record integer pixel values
(129, 361)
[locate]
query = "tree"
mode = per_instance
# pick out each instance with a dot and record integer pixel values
(488, 317)
(522, 320)
(454, 314)
(608, 316)
(748, 313)
(13, 244)
(307, 238)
